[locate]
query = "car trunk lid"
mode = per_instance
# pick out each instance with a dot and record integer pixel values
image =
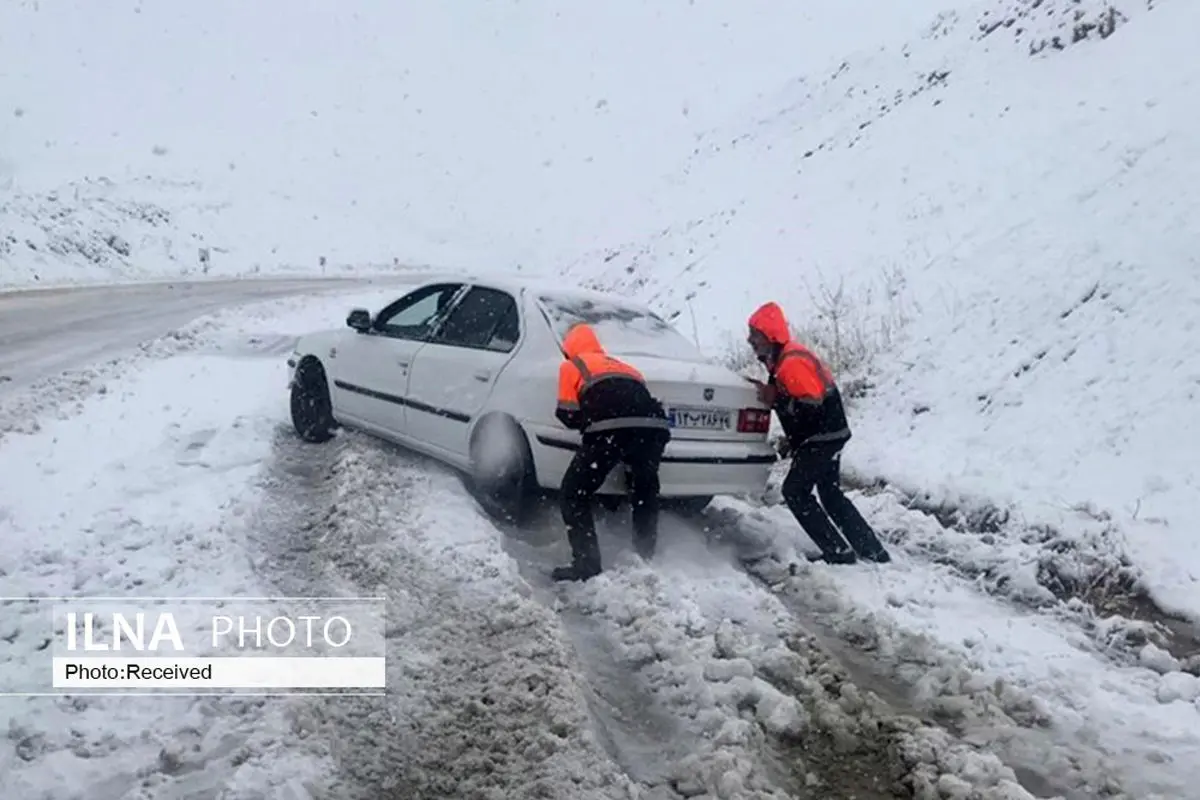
(703, 400)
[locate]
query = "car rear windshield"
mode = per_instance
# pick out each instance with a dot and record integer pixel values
(621, 329)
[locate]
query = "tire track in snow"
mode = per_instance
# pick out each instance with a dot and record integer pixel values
(919, 675)
(485, 699)
(642, 738)
(361, 531)
(694, 626)
(676, 749)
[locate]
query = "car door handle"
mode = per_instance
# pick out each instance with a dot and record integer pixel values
(403, 364)
(483, 375)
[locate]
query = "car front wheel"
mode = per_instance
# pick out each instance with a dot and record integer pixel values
(312, 408)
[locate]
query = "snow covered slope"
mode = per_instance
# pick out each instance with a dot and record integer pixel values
(1014, 219)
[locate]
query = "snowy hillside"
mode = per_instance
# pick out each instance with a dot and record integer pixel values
(1013, 220)
(988, 227)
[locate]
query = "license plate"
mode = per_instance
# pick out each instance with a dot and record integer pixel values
(702, 418)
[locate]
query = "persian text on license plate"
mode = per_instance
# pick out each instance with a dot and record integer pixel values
(702, 418)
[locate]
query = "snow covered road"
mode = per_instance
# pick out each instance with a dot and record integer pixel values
(44, 332)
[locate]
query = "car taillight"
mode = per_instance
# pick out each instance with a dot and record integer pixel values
(754, 420)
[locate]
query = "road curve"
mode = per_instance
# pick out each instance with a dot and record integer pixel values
(44, 332)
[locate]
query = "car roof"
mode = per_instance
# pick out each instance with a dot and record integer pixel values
(515, 284)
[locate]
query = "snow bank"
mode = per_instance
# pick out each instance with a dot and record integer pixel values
(1026, 217)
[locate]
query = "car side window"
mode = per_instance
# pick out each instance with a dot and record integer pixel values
(508, 331)
(415, 315)
(486, 318)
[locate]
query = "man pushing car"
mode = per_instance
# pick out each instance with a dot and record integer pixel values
(621, 422)
(805, 397)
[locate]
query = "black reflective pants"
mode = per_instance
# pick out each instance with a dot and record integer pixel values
(820, 465)
(640, 450)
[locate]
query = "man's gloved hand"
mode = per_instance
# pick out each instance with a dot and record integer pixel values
(782, 445)
(766, 392)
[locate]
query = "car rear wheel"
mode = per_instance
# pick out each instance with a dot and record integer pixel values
(312, 408)
(502, 474)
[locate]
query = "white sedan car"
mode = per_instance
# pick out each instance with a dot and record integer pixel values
(466, 371)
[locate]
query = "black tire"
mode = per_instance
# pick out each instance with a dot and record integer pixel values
(502, 476)
(312, 408)
(687, 506)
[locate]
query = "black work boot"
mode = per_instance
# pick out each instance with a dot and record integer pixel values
(574, 572)
(585, 555)
(645, 546)
(879, 557)
(835, 557)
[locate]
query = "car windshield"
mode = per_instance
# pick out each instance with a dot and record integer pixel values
(621, 329)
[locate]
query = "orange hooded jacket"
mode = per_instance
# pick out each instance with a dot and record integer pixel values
(797, 370)
(586, 364)
(808, 403)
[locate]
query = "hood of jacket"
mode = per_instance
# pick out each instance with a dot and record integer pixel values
(770, 322)
(579, 340)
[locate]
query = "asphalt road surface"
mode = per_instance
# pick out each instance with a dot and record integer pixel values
(47, 331)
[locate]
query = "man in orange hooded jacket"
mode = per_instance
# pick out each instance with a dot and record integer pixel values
(806, 399)
(608, 402)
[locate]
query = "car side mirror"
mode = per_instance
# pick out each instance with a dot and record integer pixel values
(360, 320)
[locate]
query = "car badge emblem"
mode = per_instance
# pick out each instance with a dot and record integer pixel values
(708, 394)
(333, 352)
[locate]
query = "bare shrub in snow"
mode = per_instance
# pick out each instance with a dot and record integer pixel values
(737, 356)
(848, 331)
(1053, 24)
